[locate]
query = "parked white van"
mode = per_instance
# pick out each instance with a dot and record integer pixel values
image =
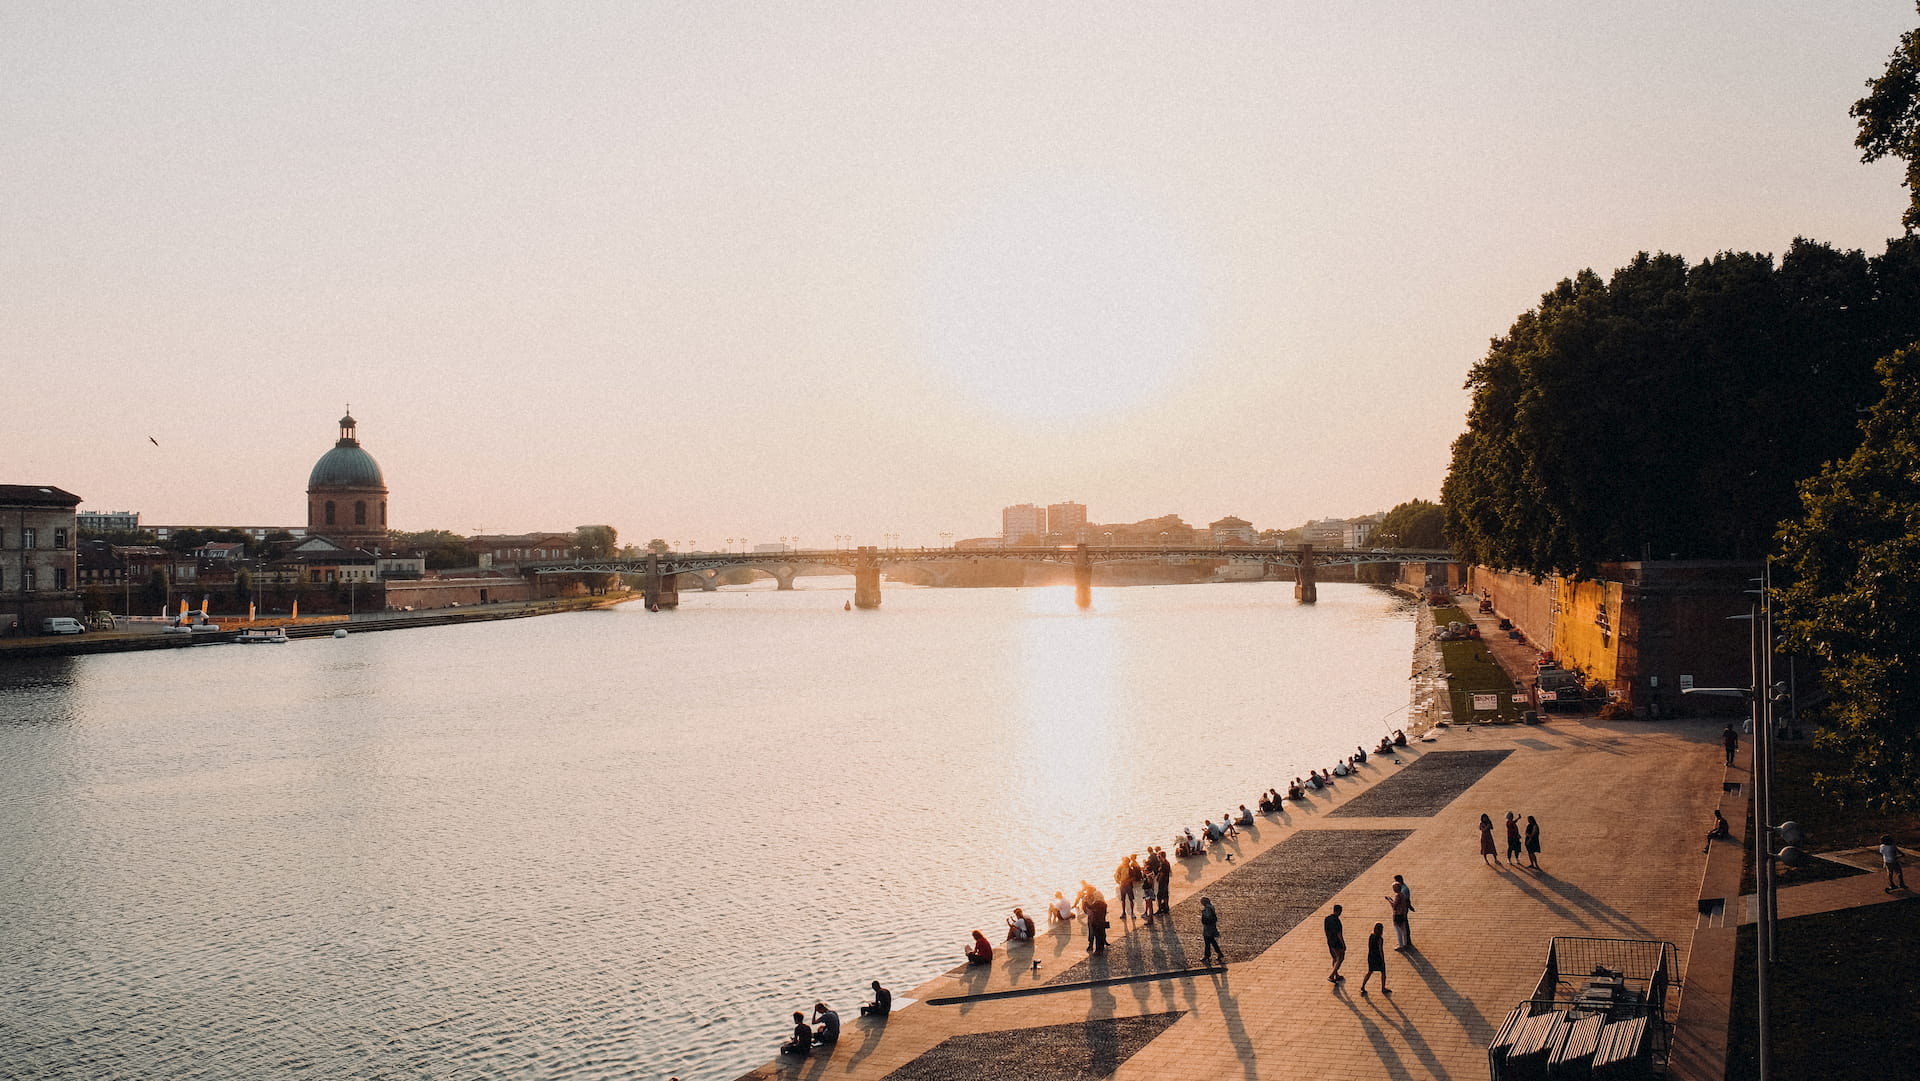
(61, 625)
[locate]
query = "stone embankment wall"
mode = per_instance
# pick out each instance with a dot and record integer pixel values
(1638, 628)
(446, 592)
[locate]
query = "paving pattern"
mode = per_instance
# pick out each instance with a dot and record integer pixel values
(1087, 1051)
(1259, 902)
(1424, 788)
(1616, 864)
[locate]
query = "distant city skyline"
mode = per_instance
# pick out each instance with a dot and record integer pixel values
(862, 269)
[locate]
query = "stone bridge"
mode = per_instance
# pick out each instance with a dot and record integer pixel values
(662, 570)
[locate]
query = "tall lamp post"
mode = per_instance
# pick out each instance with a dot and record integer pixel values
(1761, 694)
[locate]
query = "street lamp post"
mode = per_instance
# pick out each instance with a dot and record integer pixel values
(1761, 694)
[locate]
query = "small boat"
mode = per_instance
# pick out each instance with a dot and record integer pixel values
(273, 635)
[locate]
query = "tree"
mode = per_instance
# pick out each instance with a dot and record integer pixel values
(443, 550)
(1852, 597)
(1889, 119)
(154, 593)
(658, 546)
(596, 541)
(1670, 410)
(1414, 524)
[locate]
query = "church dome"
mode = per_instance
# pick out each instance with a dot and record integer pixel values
(346, 465)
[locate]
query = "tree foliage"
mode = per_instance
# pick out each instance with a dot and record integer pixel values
(1889, 119)
(659, 546)
(443, 550)
(1414, 524)
(596, 541)
(1852, 596)
(1670, 410)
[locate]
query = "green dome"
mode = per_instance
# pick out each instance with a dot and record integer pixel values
(346, 466)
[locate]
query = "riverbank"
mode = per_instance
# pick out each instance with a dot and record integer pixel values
(141, 637)
(1621, 806)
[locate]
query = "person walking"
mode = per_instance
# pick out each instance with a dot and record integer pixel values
(1513, 838)
(1402, 901)
(1533, 843)
(1376, 960)
(1336, 943)
(1489, 855)
(1125, 877)
(1210, 932)
(1731, 740)
(1890, 856)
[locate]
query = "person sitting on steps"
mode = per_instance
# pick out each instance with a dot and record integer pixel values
(1719, 832)
(981, 952)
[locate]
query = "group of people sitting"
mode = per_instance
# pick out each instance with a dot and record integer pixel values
(825, 1032)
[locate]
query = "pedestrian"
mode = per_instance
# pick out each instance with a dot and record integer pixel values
(1376, 960)
(1095, 911)
(1336, 944)
(1488, 854)
(1124, 877)
(1533, 843)
(1513, 838)
(1402, 901)
(1210, 932)
(1732, 741)
(1890, 855)
(1163, 883)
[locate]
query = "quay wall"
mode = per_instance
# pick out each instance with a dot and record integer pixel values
(1640, 629)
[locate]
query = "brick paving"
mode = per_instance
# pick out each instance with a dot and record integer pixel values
(1622, 806)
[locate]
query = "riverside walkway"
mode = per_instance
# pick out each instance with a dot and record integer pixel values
(1622, 807)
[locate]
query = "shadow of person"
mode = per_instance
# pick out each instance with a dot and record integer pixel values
(1587, 902)
(1417, 1043)
(872, 1027)
(1236, 1028)
(1457, 1004)
(1383, 1048)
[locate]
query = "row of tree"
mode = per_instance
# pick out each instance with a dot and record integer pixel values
(1670, 409)
(1734, 409)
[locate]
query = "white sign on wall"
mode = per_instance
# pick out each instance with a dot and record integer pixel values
(1485, 702)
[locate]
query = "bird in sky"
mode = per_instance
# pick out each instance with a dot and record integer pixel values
(154, 441)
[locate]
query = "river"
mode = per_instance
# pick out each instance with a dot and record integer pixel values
(614, 843)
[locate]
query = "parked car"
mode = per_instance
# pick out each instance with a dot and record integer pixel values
(62, 625)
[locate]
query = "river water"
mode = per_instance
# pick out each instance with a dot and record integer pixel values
(615, 844)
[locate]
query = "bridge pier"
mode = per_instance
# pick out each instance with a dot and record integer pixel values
(1082, 577)
(662, 590)
(709, 581)
(1304, 588)
(782, 576)
(866, 577)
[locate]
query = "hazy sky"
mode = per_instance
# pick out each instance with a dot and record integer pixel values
(712, 270)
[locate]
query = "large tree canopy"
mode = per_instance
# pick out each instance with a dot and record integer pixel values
(1413, 524)
(1889, 118)
(1670, 410)
(1852, 561)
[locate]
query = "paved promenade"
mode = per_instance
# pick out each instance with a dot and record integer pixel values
(1622, 807)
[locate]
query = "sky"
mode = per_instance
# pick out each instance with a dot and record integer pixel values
(706, 271)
